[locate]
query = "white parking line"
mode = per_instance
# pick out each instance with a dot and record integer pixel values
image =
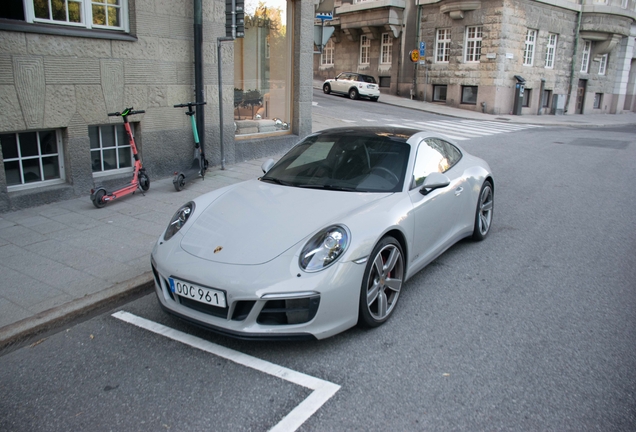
(322, 390)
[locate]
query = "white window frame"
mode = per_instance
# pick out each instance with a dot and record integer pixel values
(386, 51)
(442, 45)
(602, 65)
(528, 50)
(116, 147)
(550, 50)
(472, 51)
(326, 57)
(585, 56)
(39, 156)
(365, 47)
(624, 4)
(86, 14)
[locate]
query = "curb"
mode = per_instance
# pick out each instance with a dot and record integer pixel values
(58, 316)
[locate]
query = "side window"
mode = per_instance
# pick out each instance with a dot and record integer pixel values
(452, 153)
(430, 158)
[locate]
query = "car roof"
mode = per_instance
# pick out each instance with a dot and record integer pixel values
(394, 133)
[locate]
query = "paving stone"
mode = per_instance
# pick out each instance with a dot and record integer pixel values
(21, 236)
(11, 312)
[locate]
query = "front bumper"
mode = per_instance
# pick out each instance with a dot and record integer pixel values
(275, 300)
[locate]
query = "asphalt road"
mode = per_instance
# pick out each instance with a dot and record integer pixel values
(532, 329)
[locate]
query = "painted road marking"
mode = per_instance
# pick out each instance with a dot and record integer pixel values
(322, 390)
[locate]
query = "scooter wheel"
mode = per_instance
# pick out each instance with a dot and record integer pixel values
(98, 200)
(179, 183)
(144, 181)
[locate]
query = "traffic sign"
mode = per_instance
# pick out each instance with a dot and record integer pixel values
(422, 49)
(325, 16)
(415, 56)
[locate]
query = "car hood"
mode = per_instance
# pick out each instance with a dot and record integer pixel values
(254, 222)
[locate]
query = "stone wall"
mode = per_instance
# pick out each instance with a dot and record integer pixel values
(69, 83)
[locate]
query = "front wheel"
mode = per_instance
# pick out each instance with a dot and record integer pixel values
(98, 198)
(144, 181)
(381, 283)
(179, 182)
(483, 214)
(374, 99)
(326, 88)
(353, 94)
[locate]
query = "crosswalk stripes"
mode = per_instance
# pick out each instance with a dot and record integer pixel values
(462, 130)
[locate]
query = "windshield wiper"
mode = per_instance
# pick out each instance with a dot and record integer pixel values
(276, 181)
(328, 187)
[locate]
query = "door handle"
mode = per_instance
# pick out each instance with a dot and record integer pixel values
(459, 190)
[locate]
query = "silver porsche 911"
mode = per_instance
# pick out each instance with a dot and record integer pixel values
(326, 238)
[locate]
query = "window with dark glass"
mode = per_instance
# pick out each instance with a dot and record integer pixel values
(439, 93)
(32, 157)
(110, 149)
(527, 96)
(469, 95)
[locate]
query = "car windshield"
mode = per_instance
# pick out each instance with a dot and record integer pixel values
(346, 161)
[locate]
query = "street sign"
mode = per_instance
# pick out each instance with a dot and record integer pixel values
(325, 16)
(415, 56)
(422, 49)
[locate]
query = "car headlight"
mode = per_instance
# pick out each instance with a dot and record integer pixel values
(178, 220)
(324, 248)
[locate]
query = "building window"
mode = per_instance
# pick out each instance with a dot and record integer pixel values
(442, 45)
(624, 4)
(263, 67)
(473, 44)
(32, 159)
(365, 45)
(469, 95)
(528, 51)
(326, 58)
(439, 93)
(585, 60)
(598, 100)
(547, 96)
(103, 14)
(110, 149)
(602, 66)
(527, 96)
(550, 51)
(387, 49)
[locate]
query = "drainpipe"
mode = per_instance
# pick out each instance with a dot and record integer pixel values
(576, 45)
(417, 39)
(198, 71)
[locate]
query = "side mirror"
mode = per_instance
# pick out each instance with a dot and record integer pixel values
(434, 181)
(267, 165)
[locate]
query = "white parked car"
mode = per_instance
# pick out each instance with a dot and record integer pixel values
(353, 84)
(326, 238)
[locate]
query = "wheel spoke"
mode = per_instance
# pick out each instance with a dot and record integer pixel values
(393, 284)
(484, 223)
(487, 206)
(372, 293)
(378, 264)
(390, 263)
(382, 304)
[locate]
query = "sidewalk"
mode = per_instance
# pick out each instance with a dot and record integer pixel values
(63, 260)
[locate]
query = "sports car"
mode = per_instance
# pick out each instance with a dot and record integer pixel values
(326, 238)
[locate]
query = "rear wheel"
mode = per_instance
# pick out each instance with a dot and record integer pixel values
(144, 181)
(374, 99)
(179, 182)
(381, 283)
(98, 198)
(353, 94)
(326, 88)
(483, 214)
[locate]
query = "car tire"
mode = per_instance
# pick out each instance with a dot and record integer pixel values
(382, 283)
(483, 213)
(326, 88)
(353, 94)
(375, 99)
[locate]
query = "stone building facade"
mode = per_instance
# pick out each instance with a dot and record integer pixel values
(62, 71)
(567, 57)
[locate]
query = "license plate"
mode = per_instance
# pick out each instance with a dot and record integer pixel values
(196, 292)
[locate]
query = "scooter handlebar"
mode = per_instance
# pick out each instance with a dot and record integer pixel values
(126, 112)
(189, 104)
